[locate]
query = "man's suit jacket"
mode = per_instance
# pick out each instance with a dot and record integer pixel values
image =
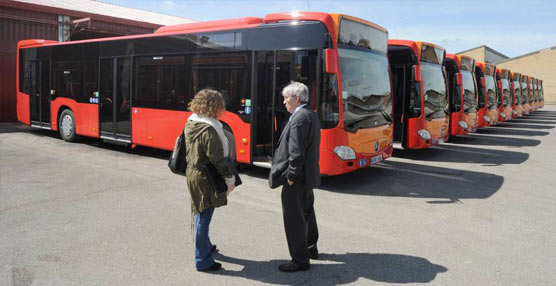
(297, 155)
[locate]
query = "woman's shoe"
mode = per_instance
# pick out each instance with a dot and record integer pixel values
(216, 266)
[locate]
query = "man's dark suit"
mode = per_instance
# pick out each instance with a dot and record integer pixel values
(297, 159)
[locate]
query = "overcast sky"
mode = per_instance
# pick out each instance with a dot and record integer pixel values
(510, 27)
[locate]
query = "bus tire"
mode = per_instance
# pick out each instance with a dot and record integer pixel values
(66, 126)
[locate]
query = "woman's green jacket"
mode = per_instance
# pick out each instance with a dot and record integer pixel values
(203, 147)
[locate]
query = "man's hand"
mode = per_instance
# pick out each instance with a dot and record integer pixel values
(290, 182)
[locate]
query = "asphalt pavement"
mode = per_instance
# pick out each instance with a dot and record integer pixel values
(478, 210)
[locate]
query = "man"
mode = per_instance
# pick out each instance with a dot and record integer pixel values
(295, 167)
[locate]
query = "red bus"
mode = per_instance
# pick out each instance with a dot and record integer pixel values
(532, 101)
(541, 94)
(421, 115)
(135, 89)
(517, 110)
(503, 91)
(534, 84)
(525, 94)
(462, 93)
(488, 103)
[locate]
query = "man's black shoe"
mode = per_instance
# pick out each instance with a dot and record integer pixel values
(216, 266)
(293, 267)
(213, 248)
(314, 253)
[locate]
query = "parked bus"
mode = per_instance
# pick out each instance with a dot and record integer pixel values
(488, 109)
(505, 108)
(532, 102)
(525, 94)
(541, 93)
(517, 110)
(421, 115)
(135, 89)
(535, 93)
(462, 94)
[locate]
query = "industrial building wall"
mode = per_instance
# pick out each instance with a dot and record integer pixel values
(478, 54)
(16, 25)
(20, 24)
(541, 65)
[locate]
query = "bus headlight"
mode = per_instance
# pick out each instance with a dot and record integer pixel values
(463, 124)
(503, 114)
(345, 152)
(424, 134)
(514, 112)
(486, 118)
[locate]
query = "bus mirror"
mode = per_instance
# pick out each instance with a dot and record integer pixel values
(331, 61)
(459, 79)
(416, 73)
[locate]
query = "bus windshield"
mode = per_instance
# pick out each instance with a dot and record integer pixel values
(506, 91)
(434, 90)
(491, 92)
(469, 92)
(365, 88)
(517, 92)
(524, 93)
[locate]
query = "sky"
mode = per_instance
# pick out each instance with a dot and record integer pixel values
(510, 27)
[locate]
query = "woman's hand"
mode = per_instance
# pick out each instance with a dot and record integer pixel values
(230, 189)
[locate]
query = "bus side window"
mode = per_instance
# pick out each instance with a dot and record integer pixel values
(329, 107)
(159, 82)
(66, 79)
(90, 75)
(415, 104)
(227, 72)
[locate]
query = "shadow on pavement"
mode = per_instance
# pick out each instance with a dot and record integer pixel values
(11, 127)
(531, 120)
(98, 143)
(511, 132)
(543, 112)
(345, 268)
(537, 117)
(401, 179)
(463, 154)
(523, 125)
(485, 140)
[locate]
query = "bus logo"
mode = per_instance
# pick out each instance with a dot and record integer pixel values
(376, 146)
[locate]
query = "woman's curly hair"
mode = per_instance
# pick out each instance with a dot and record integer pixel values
(208, 102)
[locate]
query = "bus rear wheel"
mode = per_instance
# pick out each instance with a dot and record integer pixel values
(66, 126)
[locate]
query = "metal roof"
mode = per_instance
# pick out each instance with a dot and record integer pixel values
(110, 10)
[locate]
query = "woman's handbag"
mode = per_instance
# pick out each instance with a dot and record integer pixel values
(218, 183)
(177, 162)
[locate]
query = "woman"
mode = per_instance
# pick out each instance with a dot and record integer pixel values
(206, 144)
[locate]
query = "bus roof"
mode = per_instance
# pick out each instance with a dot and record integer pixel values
(416, 46)
(331, 21)
(211, 25)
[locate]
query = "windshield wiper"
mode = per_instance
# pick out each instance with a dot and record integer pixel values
(386, 115)
(352, 124)
(469, 108)
(428, 116)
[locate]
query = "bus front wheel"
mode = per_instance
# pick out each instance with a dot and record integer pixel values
(66, 126)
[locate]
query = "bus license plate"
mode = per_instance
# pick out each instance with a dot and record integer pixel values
(376, 159)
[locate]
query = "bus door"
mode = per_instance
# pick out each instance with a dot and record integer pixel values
(40, 94)
(115, 105)
(273, 71)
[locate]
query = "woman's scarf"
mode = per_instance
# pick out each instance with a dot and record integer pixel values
(217, 126)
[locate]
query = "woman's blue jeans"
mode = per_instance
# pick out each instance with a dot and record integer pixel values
(203, 246)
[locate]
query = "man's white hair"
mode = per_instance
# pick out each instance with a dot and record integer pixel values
(297, 89)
